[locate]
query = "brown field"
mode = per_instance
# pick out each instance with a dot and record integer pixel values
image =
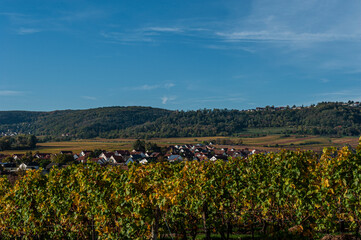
(268, 143)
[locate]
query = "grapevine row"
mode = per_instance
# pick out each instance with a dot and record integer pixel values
(278, 191)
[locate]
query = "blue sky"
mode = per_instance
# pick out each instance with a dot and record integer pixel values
(178, 54)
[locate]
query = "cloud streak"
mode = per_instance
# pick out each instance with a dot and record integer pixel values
(295, 21)
(147, 87)
(154, 34)
(10, 93)
(166, 99)
(164, 29)
(89, 98)
(26, 31)
(286, 36)
(24, 24)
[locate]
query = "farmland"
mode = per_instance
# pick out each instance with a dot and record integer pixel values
(266, 143)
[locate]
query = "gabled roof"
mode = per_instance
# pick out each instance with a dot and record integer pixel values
(172, 158)
(108, 154)
(86, 151)
(136, 153)
(43, 155)
(154, 155)
(82, 158)
(118, 159)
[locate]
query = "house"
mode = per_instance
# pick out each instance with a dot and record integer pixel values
(255, 151)
(82, 159)
(101, 161)
(143, 161)
(221, 157)
(137, 156)
(134, 153)
(175, 158)
(18, 156)
(213, 159)
(30, 166)
(33, 165)
(129, 161)
(106, 155)
(43, 155)
(122, 153)
(11, 167)
(154, 156)
(22, 167)
(85, 153)
(116, 159)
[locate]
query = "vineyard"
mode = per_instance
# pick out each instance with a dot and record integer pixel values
(288, 193)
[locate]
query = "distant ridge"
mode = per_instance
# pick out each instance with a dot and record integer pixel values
(327, 118)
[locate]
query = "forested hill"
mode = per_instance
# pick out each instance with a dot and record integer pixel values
(146, 122)
(87, 123)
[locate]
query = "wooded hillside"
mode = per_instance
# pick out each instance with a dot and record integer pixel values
(330, 118)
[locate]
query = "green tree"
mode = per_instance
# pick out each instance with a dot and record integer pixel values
(139, 145)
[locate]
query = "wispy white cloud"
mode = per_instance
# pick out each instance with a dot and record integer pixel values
(149, 34)
(155, 86)
(55, 21)
(166, 99)
(230, 47)
(147, 87)
(153, 34)
(89, 98)
(127, 37)
(10, 93)
(169, 85)
(25, 31)
(164, 29)
(284, 21)
(294, 22)
(265, 35)
(16, 18)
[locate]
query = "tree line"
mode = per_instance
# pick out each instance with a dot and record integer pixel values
(19, 142)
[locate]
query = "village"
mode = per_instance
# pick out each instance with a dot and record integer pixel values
(123, 158)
